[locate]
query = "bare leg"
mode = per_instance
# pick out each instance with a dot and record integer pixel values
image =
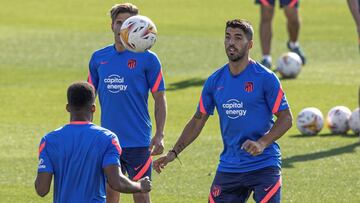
(141, 197)
(355, 11)
(112, 196)
(293, 23)
(267, 13)
(293, 27)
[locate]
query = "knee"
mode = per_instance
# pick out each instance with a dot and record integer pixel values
(141, 197)
(267, 15)
(292, 15)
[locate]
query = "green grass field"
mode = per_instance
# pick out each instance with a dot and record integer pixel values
(44, 46)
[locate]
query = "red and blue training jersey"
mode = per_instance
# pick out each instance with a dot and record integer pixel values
(246, 104)
(76, 155)
(123, 81)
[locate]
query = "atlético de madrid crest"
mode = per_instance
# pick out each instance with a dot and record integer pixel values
(131, 63)
(249, 86)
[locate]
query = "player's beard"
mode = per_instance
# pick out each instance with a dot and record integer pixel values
(239, 54)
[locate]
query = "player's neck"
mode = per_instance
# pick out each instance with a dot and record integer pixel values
(236, 67)
(81, 117)
(119, 47)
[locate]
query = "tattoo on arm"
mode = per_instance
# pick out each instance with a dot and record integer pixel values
(180, 147)
(198, 115)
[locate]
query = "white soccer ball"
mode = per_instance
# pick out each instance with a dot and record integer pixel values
(289, 65)
(310, 121)
(354, 121)
(338, 119)
(138, 33)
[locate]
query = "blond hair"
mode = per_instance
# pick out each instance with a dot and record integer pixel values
(123, 8)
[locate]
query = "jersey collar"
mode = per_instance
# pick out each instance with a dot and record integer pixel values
(79, 122)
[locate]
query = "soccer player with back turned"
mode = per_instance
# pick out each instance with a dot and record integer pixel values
(82, 156)
(246, 96)
(123, 80)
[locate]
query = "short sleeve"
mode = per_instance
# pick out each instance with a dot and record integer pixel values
(44, 158)
(206, 104)
(274, 94)
(93, 77)
(154, 74)
(112, 152)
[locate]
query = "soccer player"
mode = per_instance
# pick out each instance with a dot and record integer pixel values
(80, 154)
(293, 26)
(246, 96)
(122, 80)
(355, 11)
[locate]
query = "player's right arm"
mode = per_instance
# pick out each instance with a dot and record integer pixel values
(93, 77)
(115, 178)
(191, 131)
(121, 183)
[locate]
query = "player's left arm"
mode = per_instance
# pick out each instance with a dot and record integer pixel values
(277, 103)
(282, 124)
(157, 142)
(156, 83)
(43, 183)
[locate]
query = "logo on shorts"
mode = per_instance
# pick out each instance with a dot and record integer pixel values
(268, 188)
(115, 83)
(131, 63)
(249, 86)
(216, 190)
(138, 167)
(234, 108)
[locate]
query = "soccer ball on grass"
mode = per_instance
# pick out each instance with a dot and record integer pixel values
(289, 65)
(338, 119)
(310, 121)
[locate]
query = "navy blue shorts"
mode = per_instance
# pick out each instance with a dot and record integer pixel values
(290, 3)
(136, 162)
(236, 187)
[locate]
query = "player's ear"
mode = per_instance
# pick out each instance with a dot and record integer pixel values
(250, 45)
(93, 108)
(67, 107)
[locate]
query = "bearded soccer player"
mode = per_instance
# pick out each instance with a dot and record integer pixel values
(80, 155)
(123, 80)
(246, 95)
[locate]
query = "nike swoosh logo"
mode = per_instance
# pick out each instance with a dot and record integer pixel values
(266, 189)
(219, 88)
(137, 168)
(103, 62)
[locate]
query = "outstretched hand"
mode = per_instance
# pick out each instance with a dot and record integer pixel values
(161, 162)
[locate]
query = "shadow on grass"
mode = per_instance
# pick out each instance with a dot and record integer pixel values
(325, 135)
(289, 161)
(192, 82)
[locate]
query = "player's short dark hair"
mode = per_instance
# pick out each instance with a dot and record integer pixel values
(80, 95)
(244, 25)
(123, 8)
